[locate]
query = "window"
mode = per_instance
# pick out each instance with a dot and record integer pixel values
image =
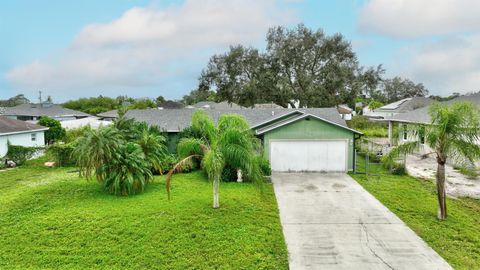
(422, 135)
(405, 133)
(34, 137)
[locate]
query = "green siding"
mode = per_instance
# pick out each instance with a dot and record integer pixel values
(172, 140)
(313, 129)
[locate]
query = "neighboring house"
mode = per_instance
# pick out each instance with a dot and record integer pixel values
(345, 112)
(32, 112)
(419, 116)
(20, 133)
(92, 122)
(402, 106)
(108, 116)
(315, 139)
(224, 105)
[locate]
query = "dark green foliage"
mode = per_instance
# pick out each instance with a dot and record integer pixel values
(368, 127)
(229, 174)
(14, 101)
(20, 154)
(62, 154)
(264, 166)
(129, 172)
(55, 130)
(93, 105)
(72, 134)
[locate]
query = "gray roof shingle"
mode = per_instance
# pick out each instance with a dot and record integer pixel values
(175, 120)
(421, 115)
(8, 125)
(53, 110)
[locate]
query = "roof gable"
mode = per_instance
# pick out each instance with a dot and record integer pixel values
(298, 118)
(8, 126)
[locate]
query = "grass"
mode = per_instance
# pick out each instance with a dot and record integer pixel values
(456, 239)
(52, 219)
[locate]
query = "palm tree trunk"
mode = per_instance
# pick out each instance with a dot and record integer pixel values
(216, 188)
(442, 202)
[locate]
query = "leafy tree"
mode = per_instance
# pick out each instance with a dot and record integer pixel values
(14, 101)
(92, 105)
(299, 65)
(201, 94)
(229, 143)
(374, 104)
(55, 130)
(159, 100)
(400, 88)
(143, 104)
(452, 134)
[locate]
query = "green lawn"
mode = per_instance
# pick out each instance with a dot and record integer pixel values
(457, 239)
(50, 218)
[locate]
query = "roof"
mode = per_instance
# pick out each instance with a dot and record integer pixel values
(175, 120)
(217, 105)
(53, 110)
(421, 115)
(267, 106)
(406, 105)
(8, 126)
(109, 114)
(93, 122)
(344, 109)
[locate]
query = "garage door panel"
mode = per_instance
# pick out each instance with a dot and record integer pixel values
(308, 155)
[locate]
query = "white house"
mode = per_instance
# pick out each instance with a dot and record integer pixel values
(20, 133)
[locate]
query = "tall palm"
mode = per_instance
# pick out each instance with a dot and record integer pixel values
(453, 133)
(230, 142)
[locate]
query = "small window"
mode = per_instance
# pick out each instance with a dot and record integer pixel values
(422, 135)
(405, 133)
(34, 137)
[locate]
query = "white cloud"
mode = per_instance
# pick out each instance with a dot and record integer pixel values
(147, 45)
(450, 65)
(414, 18)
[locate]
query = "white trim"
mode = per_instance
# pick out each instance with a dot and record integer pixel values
(312, 140)
(278, 117)
(24, 131)
(303, 117)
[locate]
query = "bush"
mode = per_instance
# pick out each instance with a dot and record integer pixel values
(398, 169)
(265, 166)
(55, 130)
(72, 134)
(20, 154)
(62, 154)
(229, 174)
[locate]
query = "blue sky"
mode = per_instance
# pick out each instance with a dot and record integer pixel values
(149, 48)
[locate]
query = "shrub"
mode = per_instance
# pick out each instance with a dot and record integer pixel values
(55, 130)
(128, 173)
(20, 154)
(62, 154)
(229, 174)
(264, 166)
(72, 134)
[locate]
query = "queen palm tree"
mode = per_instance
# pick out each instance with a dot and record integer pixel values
(231, 142)
(452, 134)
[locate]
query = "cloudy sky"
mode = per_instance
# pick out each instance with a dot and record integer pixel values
(71, 49)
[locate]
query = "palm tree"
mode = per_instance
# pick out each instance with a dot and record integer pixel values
(231, 142)
(154, 149)
(453, 133)
(96, 148)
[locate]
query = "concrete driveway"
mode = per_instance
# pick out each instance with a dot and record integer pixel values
(331, 222)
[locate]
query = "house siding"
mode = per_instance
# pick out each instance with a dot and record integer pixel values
(313, 129)
(23, 139)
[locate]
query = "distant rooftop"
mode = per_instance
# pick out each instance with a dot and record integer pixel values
(406, 105)
(216, 105)
(44, 109)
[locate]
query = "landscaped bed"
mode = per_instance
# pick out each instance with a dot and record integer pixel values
(457, 239)
(50, 218)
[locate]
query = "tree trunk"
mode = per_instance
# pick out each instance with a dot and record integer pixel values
(442, 202)
(216, 187)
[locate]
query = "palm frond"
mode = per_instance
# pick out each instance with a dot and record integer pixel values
(177, 168)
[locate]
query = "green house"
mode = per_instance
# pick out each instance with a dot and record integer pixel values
(314, 139)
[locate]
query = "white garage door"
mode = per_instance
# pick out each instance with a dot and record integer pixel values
(314, 156)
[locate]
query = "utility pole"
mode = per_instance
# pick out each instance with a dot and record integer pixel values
(40, 97)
